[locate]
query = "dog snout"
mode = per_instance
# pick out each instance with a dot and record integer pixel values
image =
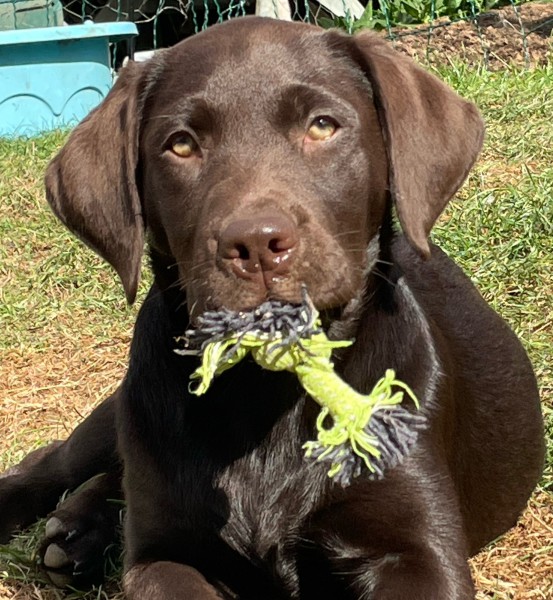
(259, 248)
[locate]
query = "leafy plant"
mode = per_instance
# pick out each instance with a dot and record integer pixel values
(383, 14)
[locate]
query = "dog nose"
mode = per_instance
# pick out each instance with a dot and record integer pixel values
(261, 245)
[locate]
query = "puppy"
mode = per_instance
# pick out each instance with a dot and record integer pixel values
(256, 158)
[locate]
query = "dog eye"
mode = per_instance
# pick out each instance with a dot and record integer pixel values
(184, 145)
(321, 129)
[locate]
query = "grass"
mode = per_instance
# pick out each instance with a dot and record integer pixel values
(24, 574)
(65, 326)
(501, 228)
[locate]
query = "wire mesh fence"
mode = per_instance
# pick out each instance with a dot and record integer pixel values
(514, 33)
(492, 32)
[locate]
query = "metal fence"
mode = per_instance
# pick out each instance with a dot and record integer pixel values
(492, 32)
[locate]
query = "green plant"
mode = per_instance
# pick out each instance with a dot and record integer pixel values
(383, 14)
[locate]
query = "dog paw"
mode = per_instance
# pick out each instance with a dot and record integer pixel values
(18, 507)
(81, 539)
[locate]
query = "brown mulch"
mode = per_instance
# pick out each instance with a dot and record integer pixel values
(498, 39)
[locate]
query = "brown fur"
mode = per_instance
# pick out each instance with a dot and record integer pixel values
(221, 502)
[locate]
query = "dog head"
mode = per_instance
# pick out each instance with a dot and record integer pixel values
(258, 156)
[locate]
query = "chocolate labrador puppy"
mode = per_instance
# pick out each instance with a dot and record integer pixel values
(257, 158)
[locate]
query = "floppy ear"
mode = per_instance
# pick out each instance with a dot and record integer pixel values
(432, 135)
(91, 184)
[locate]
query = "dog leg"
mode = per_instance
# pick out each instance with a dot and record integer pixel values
(416, 576)
(399, 538)
(80, 531)
(25, 494)
(33, 488)
(383, 572)
(167, 580)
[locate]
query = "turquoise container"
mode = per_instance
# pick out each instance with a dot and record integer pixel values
(52, 77)
(21, 14)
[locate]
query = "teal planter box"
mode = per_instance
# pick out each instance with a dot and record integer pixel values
(21, 14)
(53, 77)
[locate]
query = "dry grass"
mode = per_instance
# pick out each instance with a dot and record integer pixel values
(65, 328)
(38, 396)
(520, 565)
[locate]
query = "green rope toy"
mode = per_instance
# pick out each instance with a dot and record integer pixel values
(371, 430)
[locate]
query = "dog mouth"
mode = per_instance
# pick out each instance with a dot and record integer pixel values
(273, 318)
(266, 263)
(330, 298)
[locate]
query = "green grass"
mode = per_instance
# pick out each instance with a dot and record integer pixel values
(500, 229)
(45, 271)
(19, 563)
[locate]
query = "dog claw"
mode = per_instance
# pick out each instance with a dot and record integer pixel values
(60, 580)
(54, 527)
(55, 557)
(77, 534)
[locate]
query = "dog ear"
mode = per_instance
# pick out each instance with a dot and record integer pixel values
(432, 135)
(91, 184)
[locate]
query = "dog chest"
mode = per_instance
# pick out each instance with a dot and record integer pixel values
(271, 491)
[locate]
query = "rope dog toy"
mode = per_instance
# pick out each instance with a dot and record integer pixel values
(371, 430)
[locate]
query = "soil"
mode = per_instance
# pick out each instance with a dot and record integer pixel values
(520, 36)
